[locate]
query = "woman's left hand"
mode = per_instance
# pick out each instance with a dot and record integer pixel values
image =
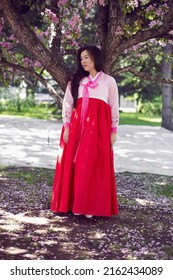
(113, 138)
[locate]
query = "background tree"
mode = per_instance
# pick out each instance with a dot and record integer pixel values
(167, 90)
(38, 36)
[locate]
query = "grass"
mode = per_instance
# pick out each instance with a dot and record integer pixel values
(44, 112)
(33, 176)
(163, 188)
(139, 119)
(37, 112)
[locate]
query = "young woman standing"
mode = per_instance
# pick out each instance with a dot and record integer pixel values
(84, 181)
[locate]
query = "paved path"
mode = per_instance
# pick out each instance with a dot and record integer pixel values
(32, 142)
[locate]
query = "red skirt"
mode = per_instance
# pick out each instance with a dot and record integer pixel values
(84, 180)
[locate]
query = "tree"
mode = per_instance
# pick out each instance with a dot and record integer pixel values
(167, 91)
(121, 26)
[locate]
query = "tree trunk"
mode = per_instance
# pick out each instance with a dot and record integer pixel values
(54, 65)
(167, 112)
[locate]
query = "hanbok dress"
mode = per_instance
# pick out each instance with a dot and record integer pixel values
(84, 180)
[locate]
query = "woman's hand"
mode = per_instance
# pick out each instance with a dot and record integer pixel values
(113, 138)
(65, 135)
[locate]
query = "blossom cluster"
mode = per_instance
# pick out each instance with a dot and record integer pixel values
(72, 16)
(132, 4)
(52, 16)
(62, 3)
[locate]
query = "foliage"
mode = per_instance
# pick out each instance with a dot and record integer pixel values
(151, 108)
(118, 27)
(147, 61)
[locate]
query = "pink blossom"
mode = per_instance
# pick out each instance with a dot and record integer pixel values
(155, 23)
(138, 55)
(12, 37)
(67, 33)
(170, 42)
(6, 45)
(27, 61)
(162, 10)
(2, 20)
(90, 3)
(150, 8)
(74, 22)
(11, 77)
(44, 34)
(171, 32)
(80, 6)
(132, 3)
(37, 64)
(61, 3)
(52, 16)
(102, 2)
(136, 47)
(125, 51)
(35, 29)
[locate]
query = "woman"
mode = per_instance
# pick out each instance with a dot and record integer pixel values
(84, 181)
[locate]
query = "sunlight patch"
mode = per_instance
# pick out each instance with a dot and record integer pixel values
(56, 229)
(11, 227)
(144, 201)
(14, 250)
(31, 220)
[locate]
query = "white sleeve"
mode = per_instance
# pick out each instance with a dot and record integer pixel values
(67, 106)
(114, 103)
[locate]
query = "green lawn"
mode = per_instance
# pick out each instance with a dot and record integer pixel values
(139, 119)
(38, 112)
(43, 112)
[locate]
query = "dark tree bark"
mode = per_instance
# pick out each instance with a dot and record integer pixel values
(167, 111)
(53, 64)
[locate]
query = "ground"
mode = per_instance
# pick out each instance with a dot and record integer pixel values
(29, 230)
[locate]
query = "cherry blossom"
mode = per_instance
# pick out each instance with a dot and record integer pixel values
(69, 22)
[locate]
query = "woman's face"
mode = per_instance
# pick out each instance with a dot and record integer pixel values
(86, 61)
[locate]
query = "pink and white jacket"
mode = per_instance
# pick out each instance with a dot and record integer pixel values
(103, 87)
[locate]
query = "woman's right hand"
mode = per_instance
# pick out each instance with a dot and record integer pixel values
(65, 135)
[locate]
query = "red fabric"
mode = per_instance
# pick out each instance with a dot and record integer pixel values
(84, 179)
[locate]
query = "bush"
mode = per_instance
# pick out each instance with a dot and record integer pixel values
(152, 107)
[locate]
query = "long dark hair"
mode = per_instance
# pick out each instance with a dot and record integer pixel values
(96, 56)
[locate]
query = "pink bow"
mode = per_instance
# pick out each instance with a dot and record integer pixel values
(90, 84)
(85, 100)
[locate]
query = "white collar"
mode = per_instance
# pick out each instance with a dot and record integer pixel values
(93, 78)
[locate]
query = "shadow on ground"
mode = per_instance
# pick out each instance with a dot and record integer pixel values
(29, 230)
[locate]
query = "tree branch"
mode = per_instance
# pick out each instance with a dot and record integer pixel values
(117, 44)
(56, 41)
(30, 72)
(103, 13)
(53, 64)
(142, 75)
(142, 36)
